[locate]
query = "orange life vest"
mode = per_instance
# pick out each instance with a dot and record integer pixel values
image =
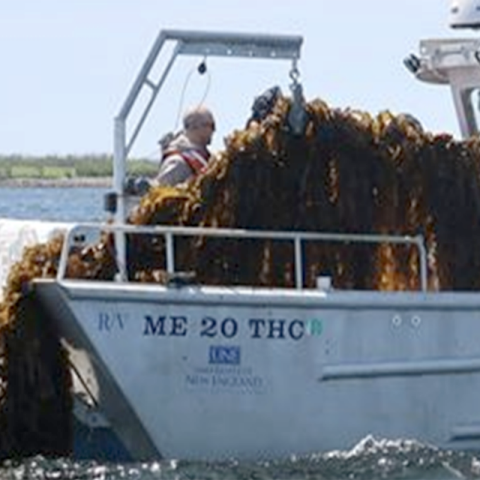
(196, 159)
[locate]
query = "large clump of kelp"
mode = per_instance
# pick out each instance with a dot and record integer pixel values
(35, 397)
(348, 172)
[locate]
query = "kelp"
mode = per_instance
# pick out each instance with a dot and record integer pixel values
(349, 172)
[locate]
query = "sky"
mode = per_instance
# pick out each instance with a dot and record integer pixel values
(67, 66)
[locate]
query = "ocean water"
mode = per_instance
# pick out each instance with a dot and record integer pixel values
(73, 204)
(371, 459)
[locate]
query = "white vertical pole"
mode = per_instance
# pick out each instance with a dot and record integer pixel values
(119, 168)
(298, 263)
(462, 113)
(170, 252)
(423, 263)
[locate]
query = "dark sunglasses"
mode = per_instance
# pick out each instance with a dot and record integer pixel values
(209, 124)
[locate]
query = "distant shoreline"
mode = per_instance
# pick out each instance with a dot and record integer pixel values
(57, 182)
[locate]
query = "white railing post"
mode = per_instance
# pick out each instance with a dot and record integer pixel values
(423, 262)
(298, 263)
(170, 254)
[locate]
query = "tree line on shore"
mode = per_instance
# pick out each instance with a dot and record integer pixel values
(70, 166)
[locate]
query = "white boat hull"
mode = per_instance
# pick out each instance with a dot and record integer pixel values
(215, 373)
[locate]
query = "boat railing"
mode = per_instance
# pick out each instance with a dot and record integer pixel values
(297, 238)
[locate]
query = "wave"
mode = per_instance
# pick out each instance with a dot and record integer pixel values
(370, 459)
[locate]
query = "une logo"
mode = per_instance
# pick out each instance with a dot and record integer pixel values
(221, 355)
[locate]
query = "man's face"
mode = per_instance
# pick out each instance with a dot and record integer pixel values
(207, 130)
(201, 129)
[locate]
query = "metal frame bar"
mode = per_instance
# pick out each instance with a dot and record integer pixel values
(155, 89)
(191, 43)
(187, 43)
(296, 237)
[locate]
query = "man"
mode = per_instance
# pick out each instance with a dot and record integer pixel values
(187, 154)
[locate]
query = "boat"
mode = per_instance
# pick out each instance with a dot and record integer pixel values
(184, 370)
